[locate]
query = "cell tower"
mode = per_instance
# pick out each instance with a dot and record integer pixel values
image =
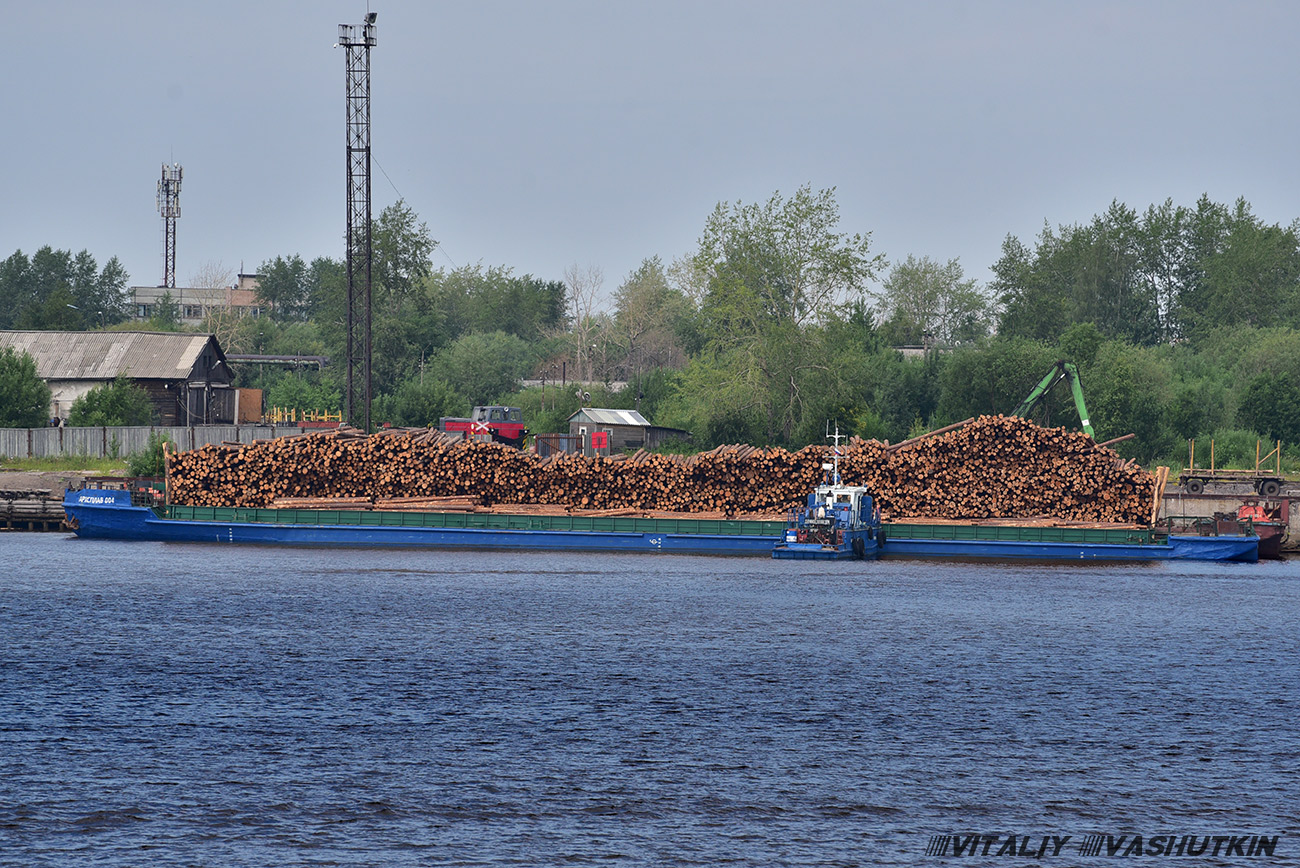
(357, 42)
(169, 206)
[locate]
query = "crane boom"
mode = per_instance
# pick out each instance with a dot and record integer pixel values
(1060, 371)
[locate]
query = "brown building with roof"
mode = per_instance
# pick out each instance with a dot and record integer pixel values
(623, 430)
(185, 375)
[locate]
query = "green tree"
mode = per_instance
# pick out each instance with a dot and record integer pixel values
(474, 298)
(1127, 390)
(57, 290)
(1032, 306)
(299, 391)
(56, 313)
(326, 286)
(24, 397)
(782, 261)
(282, 287)
(401, 247)
(1254, 279)
(1197, 407)
(924, 299)
(994, 377)
(1271, 406)
(15, 288)
(1091, 272)
(120, 402)
(1170, 273)
(648, 318)
(773, 274)
(1080, 343)
(166, 314)
(50, 273)
(100, 295)
(108, 302)
(484, 367)
(416, 404)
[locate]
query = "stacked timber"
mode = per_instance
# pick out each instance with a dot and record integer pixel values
(991, 467)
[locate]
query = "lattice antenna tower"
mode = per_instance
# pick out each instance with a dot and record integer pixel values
(169, 206)
(357, 42)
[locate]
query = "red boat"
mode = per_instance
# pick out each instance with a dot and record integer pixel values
(1270, 520)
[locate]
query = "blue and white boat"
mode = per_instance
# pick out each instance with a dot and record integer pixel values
(838, 522)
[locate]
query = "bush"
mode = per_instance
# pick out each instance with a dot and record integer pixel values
(298, 392)
(120, 402)
(417, 404)
(150, 461)
(1233, 447)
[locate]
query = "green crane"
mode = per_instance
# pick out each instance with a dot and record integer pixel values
(1060, 371)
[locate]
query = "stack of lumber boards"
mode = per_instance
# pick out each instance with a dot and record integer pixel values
(991, 467)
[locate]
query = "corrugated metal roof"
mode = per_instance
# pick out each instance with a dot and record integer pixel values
(105, 355)
(612, 417)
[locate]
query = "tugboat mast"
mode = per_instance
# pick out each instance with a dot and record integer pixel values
(835, 452)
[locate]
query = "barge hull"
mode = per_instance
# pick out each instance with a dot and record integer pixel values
(1178, 548)
(118, 521)
(109, 514)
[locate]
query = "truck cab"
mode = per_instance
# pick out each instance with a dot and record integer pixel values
(489, 423)
(498, 415)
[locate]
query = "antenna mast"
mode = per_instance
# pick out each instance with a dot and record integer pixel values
(357, 42)
(835, 452)
(169, 206)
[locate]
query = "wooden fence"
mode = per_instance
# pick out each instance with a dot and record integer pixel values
(119, 442)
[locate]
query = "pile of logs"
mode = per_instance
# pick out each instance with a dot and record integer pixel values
(994, 466)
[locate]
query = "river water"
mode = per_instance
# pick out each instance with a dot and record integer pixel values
(231, 706)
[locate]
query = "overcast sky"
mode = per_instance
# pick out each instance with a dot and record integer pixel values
(539, 135)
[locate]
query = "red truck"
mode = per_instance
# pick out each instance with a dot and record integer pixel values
(502, 424)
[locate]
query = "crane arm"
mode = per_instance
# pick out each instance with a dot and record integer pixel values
(1060, 371)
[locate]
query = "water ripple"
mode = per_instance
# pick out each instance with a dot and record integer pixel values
(195, 705)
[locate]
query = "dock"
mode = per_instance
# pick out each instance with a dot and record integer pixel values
(1227, 499)
(32, 510)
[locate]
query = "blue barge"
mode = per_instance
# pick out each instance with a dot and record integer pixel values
(110, 514)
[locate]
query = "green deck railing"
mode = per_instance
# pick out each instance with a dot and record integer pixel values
(484, 521)
(507, 521)
(1008, 533)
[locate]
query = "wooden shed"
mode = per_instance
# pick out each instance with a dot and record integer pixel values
(185, 375)
(624, 429)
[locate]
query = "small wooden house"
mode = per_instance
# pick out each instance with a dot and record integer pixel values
(623, 429)
(185, 375)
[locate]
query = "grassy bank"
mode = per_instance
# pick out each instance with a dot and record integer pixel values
(67, 463)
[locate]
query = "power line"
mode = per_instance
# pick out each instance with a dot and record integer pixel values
(403, 198)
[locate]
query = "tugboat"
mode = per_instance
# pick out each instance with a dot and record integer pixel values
(839, 521)
(1270, 521)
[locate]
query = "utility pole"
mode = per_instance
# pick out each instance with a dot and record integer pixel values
(357, 42)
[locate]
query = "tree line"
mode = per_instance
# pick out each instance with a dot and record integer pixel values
(1184, 321)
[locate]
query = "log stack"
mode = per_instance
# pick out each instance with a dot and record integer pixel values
(991, 467)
